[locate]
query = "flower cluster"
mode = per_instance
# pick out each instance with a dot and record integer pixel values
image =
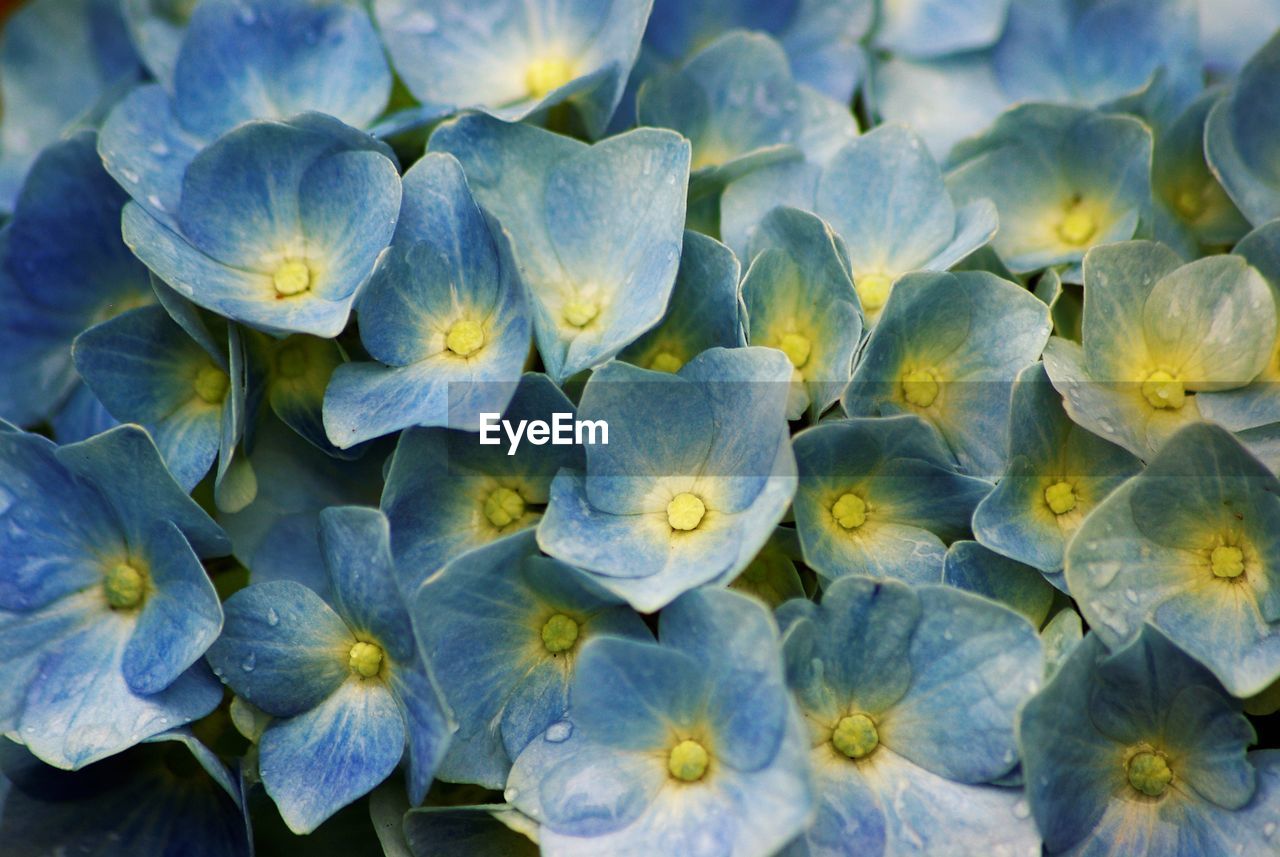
(920, 366)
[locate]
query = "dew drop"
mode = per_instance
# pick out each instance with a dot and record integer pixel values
(273, 618)
(559, 732)
(250, 661)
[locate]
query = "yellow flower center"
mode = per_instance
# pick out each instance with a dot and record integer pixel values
(365, 659)
(685, 511)
(1227, 561)
(1163, 390)
(465, 337)
(559, 633)
(503, 506)
(873, 290)
(855, 736)
(920, 387)
(292, 278)
(665, 361)
(125, 586)
(1149, 773)
(1060, 497)
(547, 75)
(1077, 226)
(211, 384)
(796, 347)
(688, 761)
(580, 312)
(850, 511)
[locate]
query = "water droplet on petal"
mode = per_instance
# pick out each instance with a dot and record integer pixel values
(559, 732)
(273, 618)
(250, 661)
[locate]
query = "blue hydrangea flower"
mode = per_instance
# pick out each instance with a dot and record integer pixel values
(1240, 137)
(697, 472)
(1090, 53)
(974, 568)
(1192, 211)
(505, 660)
(702, 312)
(1063, 179)
(821, 37)
(513, 61)
(291, 376)
(740, 107)
(157, 28)
(105, 609)
(909, 695)
(689, 745)
(346, 680)
(1157, 334)
(596, 229)
(279, 225)
(62, 63)
(239, 60)
(1226, 41)
(144, 368)
(1140, 752)
(445, 314)
(798, 298)
(169, 795)
(947, 348)
(936, 28)
(880, 497)
(1191, 544)
(63, 268)
(884, 195)
(1057, 473)
(447, 494)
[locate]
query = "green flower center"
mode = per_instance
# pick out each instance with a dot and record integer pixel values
(125, 586)
(685, 511)
(1163, 390)
(559, 633)
(850, 511)
(1149, 773)
(580, 312)
(665, 361)
(1227, 561)
(920, 387)
(688, 761)
(1060, 497)
(547, 75)
(465, 337)
(855, 736)
(873, 290)
(797, 349)
(365, 659)
(211, 385)
(503, 506)
(291, 278)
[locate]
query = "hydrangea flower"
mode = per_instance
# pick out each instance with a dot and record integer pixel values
(515, 62)
(1141, 752)
(62, 62)
(697, 472)
(241, 60)
(1240, 137)
(105, 609)
(702, 312)
(1157, 334)
(1089, 53)
(1057, 473)
(290, 375)
(798, 298)
(1225, 44)
(1063, 179)
(1189, 544)
(63, 268)
(947, 348)
(688, 745)
(157, 28)
(445, 314)
(447, 494)
(884, 195)
(170, 794)
(596, 229)
(880, 497)
(740, 107)
(936, 28)
(505, 660)
(279, 225)
(346, 680)
(821, 37)
(974, 568)
(880, 670)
